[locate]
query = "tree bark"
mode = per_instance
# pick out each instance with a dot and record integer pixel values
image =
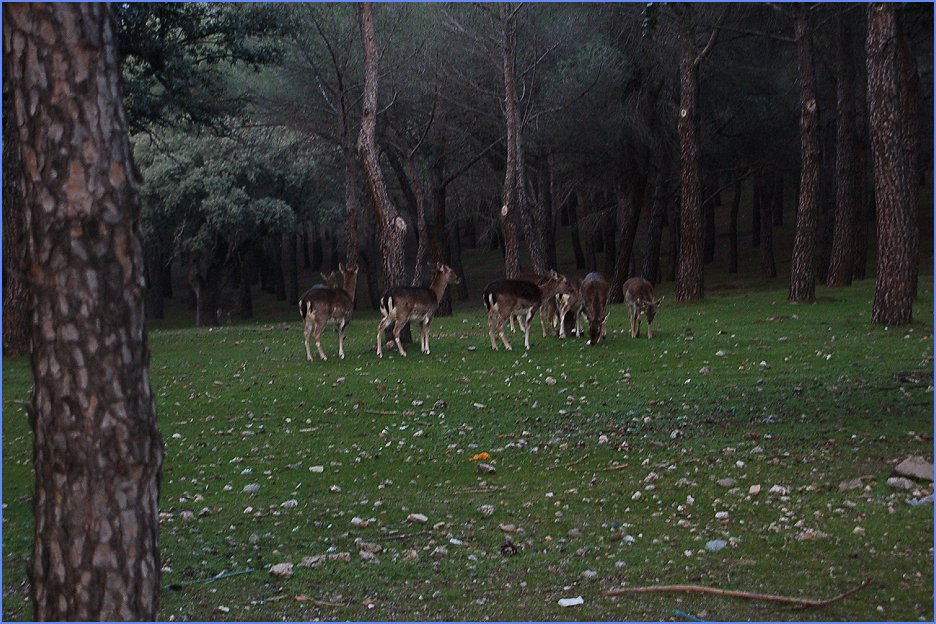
(733, 229)
(630, 203)
(689, 276)
(893, 292)
(574, 232)
(910, 113)
(351, 202)
(97, 452)
(651, 261)
(16, 328)
(803, 266)
(508, 210)
(391, 228)
(439, 249)
(846, 162)
(290, 266)
(768, 198)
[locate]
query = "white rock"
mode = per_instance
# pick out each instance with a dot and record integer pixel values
(486, 510)
(571, 602)
(358, 522)
(550, 381)
(251, 488)
(334, 489)
(316, 468)
(282, 570)
(900, 483)
(720, 353)
(636, 495)
(292, 503)
(754, 490)
(602, 439)
(417, 517)
(915, 467)
(721, 515)
(778, 490)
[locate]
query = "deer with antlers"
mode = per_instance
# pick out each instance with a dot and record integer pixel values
(403, 304)
(638, 295)
(324, 305)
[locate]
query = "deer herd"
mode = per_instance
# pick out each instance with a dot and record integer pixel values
(561, 302)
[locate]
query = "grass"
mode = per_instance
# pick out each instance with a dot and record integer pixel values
(743, 386)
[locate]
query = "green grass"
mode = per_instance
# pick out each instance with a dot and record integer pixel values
(803, 396)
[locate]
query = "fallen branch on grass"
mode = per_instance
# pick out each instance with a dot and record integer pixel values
(615, 467)
(799, 602)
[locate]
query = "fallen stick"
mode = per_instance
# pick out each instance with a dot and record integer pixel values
(615, 467)
(382, 412)
(800, 602)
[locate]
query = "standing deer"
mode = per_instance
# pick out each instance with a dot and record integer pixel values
(509, 298)
(331, 280)
(595, 291)
(571, 302)
(403, 304)
(548, 304)
(638, 295)
(327, 305)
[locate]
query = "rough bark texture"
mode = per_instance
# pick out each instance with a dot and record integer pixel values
(846, 162)
(351, 203)
(15, 296)
(290, 266)
(803, 266)
(767, 200)
(630, 203)
(391, 228)
(97, 450)
(910, 113)
(508, 210)
(574, 232)
(689, 269)
(893, 293)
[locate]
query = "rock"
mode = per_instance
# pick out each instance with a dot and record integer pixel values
(809, 535)
(251, 488)
(571, 602)
(417, 517)
(340, 556)
(187, 514)
(705, 370)
(778, 490)
(507, 528)
(720, 353)
(727, 482)
(367, 546)
(292, 503)
(916, 502)
(411, 555)
(316, 468)
(574, 533)
(454, 541)
(850, 484)
(223, 609)
(440, 404)
(858, 530)
(368, 556)
(550, 381)
(486, 510)
(334, 489)
(901, 483)
(439, 552)
(358, 522)
(486, 468)
(676, 433)
(311, 562)
(636, 495)
(602, 439)
(915, 467)
(715, 545)
(754, 490)
(254, 538)
(281, 570)
(721, 515)
(589, 574)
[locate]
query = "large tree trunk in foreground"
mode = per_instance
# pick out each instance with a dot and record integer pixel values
(509, 207)
(847, 158)
(391, 228)
(910, 113)
(97, 450)
(689, 268)
(893, 292)
(803, 267)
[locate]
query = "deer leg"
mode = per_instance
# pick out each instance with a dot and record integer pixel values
(649, 330)
(319, 328)
(340, 327)
(492, 322)
(526, 330)
(307, 332)
(397, 328)
(500, 331)
(637, 332)
(381, 326)
(426, 335)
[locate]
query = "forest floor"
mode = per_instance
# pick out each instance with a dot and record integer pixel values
(717, 454)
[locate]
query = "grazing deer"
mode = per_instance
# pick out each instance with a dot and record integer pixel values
(638, 295)
(324, 305)
(509, 298)
(548, 304)
(571, 302)
(403, 304)
(595, 291)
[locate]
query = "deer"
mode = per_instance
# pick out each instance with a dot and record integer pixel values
(638, 295)
(595, 291)
(402, 304)
(570, 302)
(509, 298)
(324, 305)
(330, 280)
(549, 305)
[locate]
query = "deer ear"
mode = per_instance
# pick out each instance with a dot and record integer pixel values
(341, 267)
(660, 300)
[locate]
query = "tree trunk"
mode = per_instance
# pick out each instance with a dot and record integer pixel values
(733, 229)
(893, 293)
(551, 202)
(457, 262)
(153, 297)
(846, 162)
(97, 452)
(803, 266)
(673, 210)
(290, 267)
(371, 273)
(609, 228)
(755, 215)
(206, 275)
(864, 219)
(574, 232)
(630, 203)
(532, 217)
(318, 253)
(245, 295)
(910, 113)
(439, 249)
(689, 276)
(16, 328)
(768, 198)
(508, 209)
(651, 261)
(711, 201)
(391, 228)
(351, 203)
